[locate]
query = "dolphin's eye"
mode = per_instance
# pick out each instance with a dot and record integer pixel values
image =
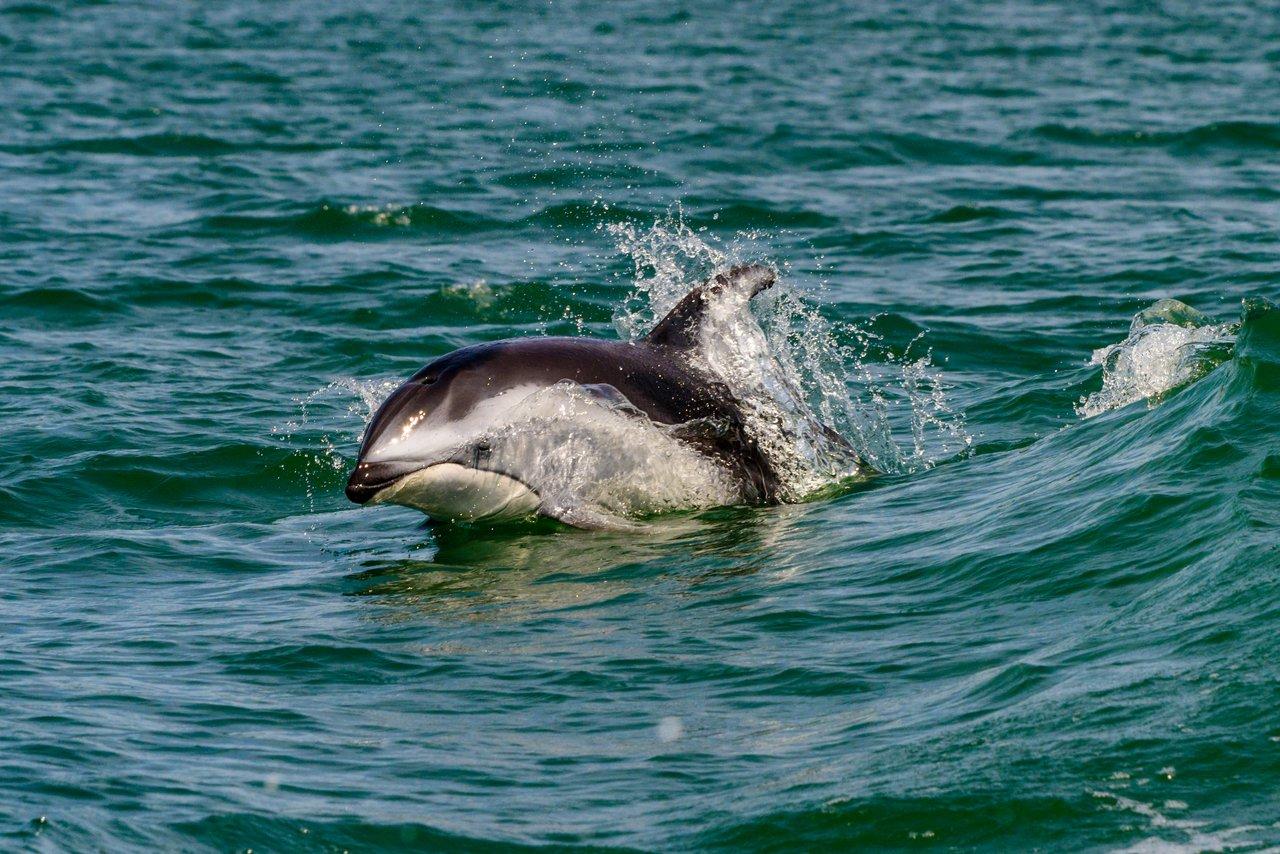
(429, 379)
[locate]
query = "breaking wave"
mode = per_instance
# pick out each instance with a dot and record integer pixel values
(1169, 345)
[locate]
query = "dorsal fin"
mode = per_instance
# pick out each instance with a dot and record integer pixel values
(680, 327)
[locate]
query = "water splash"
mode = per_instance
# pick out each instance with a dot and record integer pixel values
(789, 367)
(329, 419)
(1169, 345)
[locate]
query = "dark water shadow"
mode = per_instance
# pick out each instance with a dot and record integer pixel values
(467, 572)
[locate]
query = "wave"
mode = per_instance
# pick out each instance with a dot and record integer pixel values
(967, 213)
(1010, 818)
(270, 831)
(336, 221)
(31, 11)
(162, 145)
(346, 221)
(819, 149)
(327, 662)
(1203, 453)
(1004, 818)
(581, 214)
(1169, 345)
(697, 214)
(917, 148)
(750, 215)
(1166, 517)
(1233, 135)
(215, 471)
(74, 303)
(576, 175)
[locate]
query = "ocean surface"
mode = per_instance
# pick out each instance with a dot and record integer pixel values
(227, 230)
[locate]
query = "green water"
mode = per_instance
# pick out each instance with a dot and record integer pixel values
(227, 229)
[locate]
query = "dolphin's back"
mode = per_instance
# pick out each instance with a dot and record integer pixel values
(663, 385)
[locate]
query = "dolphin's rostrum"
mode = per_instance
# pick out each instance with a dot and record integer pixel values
(442, 442)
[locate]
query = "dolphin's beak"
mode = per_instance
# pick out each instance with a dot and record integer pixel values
(371, 478)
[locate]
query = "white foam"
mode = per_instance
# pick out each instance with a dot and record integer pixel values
(1192, 835)
(1168, 345)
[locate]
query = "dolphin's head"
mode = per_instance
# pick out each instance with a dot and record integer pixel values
(428, 443)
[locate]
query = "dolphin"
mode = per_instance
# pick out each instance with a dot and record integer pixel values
(520, 427)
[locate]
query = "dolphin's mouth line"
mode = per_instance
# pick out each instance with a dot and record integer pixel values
(455, 491)
(376, 489)
(369, 480)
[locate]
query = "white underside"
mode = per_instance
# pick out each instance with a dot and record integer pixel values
(454, 492)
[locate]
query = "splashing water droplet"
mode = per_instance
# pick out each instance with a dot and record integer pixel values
(791, 372)
(329, 419)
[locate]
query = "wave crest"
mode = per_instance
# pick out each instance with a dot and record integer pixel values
(1169, 345)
